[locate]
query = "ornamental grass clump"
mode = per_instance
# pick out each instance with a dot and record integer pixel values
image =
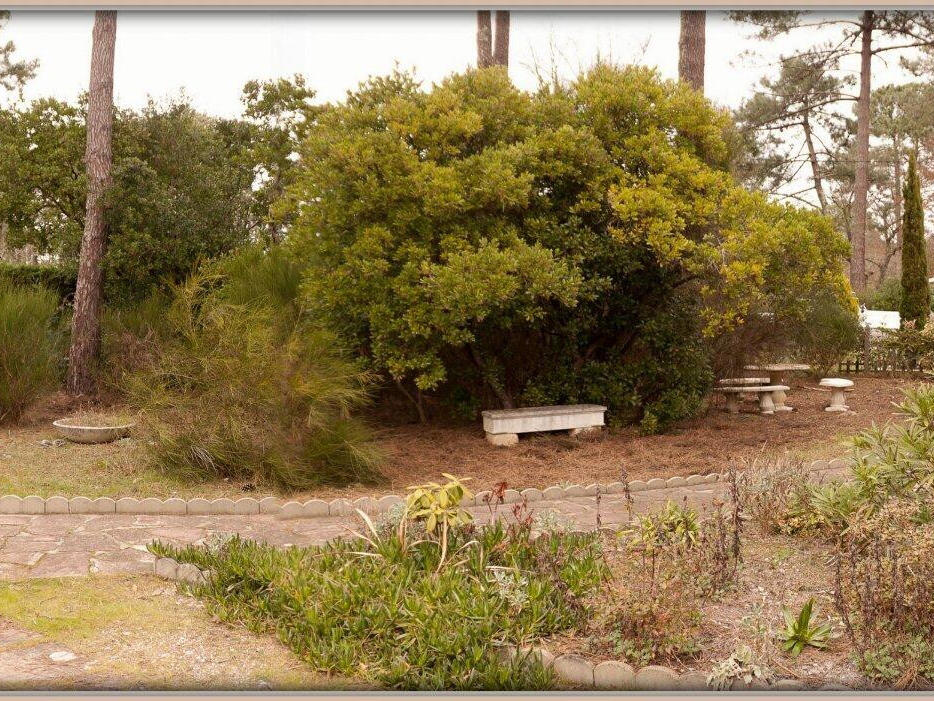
(389, 607)
(245, 391)
(31, 346)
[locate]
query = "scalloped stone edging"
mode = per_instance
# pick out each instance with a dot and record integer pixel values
(579, 672)
(319, 508)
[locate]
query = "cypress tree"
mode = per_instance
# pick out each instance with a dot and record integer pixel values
(915, 303)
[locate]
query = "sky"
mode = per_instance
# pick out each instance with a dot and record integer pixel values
(210, 55)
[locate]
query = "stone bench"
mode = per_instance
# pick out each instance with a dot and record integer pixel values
(837, 386)
(503, 426)
(740, 381)
(769, 397)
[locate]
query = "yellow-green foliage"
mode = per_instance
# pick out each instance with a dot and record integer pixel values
(583, 242)
(438, 505)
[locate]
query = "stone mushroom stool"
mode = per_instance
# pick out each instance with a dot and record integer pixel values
(838, 386)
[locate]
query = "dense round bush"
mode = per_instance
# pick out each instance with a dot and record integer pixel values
(584, 242)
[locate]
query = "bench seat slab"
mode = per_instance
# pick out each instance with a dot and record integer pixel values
(550, 418)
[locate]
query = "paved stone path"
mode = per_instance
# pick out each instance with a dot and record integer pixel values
(62, 545)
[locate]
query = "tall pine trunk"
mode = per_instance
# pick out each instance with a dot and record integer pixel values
(85, 326)
(861, 183)
(484, 39)
(691, 48)
(897, 194)
(501, 44)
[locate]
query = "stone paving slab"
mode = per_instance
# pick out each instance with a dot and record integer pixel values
(82, 544)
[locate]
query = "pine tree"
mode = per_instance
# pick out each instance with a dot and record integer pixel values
(86, 321)
(691, 46)
(915, 305)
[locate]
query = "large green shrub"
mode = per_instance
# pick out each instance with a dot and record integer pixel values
(31, 343)
(59, 279)
(386, 608)
(181, 191)
(827, 333)
(244, 389)
(579, 243)
(887, 296)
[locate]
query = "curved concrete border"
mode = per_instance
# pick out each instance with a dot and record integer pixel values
(318, 508)
(580, 672)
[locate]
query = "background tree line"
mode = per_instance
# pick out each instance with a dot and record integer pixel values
(476, 245)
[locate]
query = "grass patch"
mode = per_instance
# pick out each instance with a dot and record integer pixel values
(142, 633)
(111, 469)
(70, 611)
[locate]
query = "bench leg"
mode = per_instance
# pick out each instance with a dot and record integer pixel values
(778, 399)
(766, 405)
(732, 403)
(837, 400)
(503, 440)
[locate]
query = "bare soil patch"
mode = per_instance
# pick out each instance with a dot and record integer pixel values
(701, 445)
(31, 463)
(776, 572)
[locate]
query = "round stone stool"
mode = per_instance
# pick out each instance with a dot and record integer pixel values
(838, 386)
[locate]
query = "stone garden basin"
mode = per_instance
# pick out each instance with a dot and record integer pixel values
(71, 430)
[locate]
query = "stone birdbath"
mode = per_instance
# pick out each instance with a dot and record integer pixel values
(92, 428)
(777, 372)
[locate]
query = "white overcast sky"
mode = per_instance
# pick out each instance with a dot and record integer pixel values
(210, 55)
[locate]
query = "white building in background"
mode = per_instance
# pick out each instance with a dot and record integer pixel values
(877, 319)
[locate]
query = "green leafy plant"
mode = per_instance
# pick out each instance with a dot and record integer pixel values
(438, 507)
(899, 659)
(391, 613)
(673, 525)
(799, 633)
(741, 665)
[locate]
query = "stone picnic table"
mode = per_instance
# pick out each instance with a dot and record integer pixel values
(777, 372)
